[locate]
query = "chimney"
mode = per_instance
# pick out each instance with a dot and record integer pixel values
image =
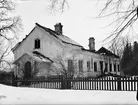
(92, 44)
(58, 28)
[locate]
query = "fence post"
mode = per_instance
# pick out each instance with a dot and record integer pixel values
(137, 89)
(118, 83)
(14, 83)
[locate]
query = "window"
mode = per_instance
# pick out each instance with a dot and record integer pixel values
(70, 66)
(95, 66)
(101, 66)
(88, 66)
(106, 67)
(110, 67)
(118, 68)
(91, 63)
(37, 43)
(115, 67)
(80, 65)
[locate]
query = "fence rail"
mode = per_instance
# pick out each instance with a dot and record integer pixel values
(107, 83)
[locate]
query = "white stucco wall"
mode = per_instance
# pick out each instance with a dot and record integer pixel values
(49, 46)
(78, 54)
(42, 67)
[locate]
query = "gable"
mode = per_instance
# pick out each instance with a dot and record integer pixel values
(30, 56)
(104, 51)
(62, 38)
(49, 44)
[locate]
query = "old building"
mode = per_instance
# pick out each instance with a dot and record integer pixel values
(43, 47)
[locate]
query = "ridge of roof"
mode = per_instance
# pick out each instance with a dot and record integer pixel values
(54, 33)
(51, 32)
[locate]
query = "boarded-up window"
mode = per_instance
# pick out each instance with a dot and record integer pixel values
(106, 67)
(91, 63)
(70, 66)
(80, 65)
(37, 43)
(110, 67)
(95, 66)
(115, 67)
(88, 66)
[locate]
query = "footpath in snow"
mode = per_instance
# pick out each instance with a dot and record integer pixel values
(18, 95)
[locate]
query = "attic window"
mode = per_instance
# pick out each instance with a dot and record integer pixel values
(37, 43)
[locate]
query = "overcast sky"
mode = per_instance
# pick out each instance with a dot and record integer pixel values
(79, 22)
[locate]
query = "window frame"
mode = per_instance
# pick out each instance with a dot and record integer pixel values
(80, 64)
(110, 67)
(106, 67)
(95, 66)
(115, 68)
(70, 69)
(88, 66)
(37, 43)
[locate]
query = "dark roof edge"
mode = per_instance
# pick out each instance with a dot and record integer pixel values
(17, 45)
(40, 54)
(89, 50)
(53, 33)
(46, 29)
(111, 54)
(99, 53)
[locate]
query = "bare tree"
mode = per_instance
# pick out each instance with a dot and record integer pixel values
(28, 74)
(9, 25)
(118, 46)
(60, 67)
(58, 5)
(124, 12)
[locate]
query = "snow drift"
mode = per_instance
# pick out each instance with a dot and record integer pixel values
(20, 95)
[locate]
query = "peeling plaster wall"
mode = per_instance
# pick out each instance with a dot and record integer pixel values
(78, 54)
(42, 67)
(52, 48)
(49, 46)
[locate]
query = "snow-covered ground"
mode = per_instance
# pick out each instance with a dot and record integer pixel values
(18, 95)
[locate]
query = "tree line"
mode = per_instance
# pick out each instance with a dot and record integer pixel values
(129, 60)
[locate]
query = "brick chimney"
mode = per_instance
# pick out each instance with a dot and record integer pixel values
(91, 44)
(58, 28)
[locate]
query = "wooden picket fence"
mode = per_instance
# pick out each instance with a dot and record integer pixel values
(106, 83)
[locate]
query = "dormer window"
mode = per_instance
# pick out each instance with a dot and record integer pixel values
(37, 43)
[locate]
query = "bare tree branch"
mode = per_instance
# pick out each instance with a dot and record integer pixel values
(9, 25)
(125, 14)
(58, 5)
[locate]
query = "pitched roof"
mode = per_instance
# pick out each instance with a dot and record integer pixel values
(62, 38)
(104, 51)
(37, 56)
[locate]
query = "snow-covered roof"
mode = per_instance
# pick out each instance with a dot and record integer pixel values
(62, 38)
(37, 57)
(67, 39)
